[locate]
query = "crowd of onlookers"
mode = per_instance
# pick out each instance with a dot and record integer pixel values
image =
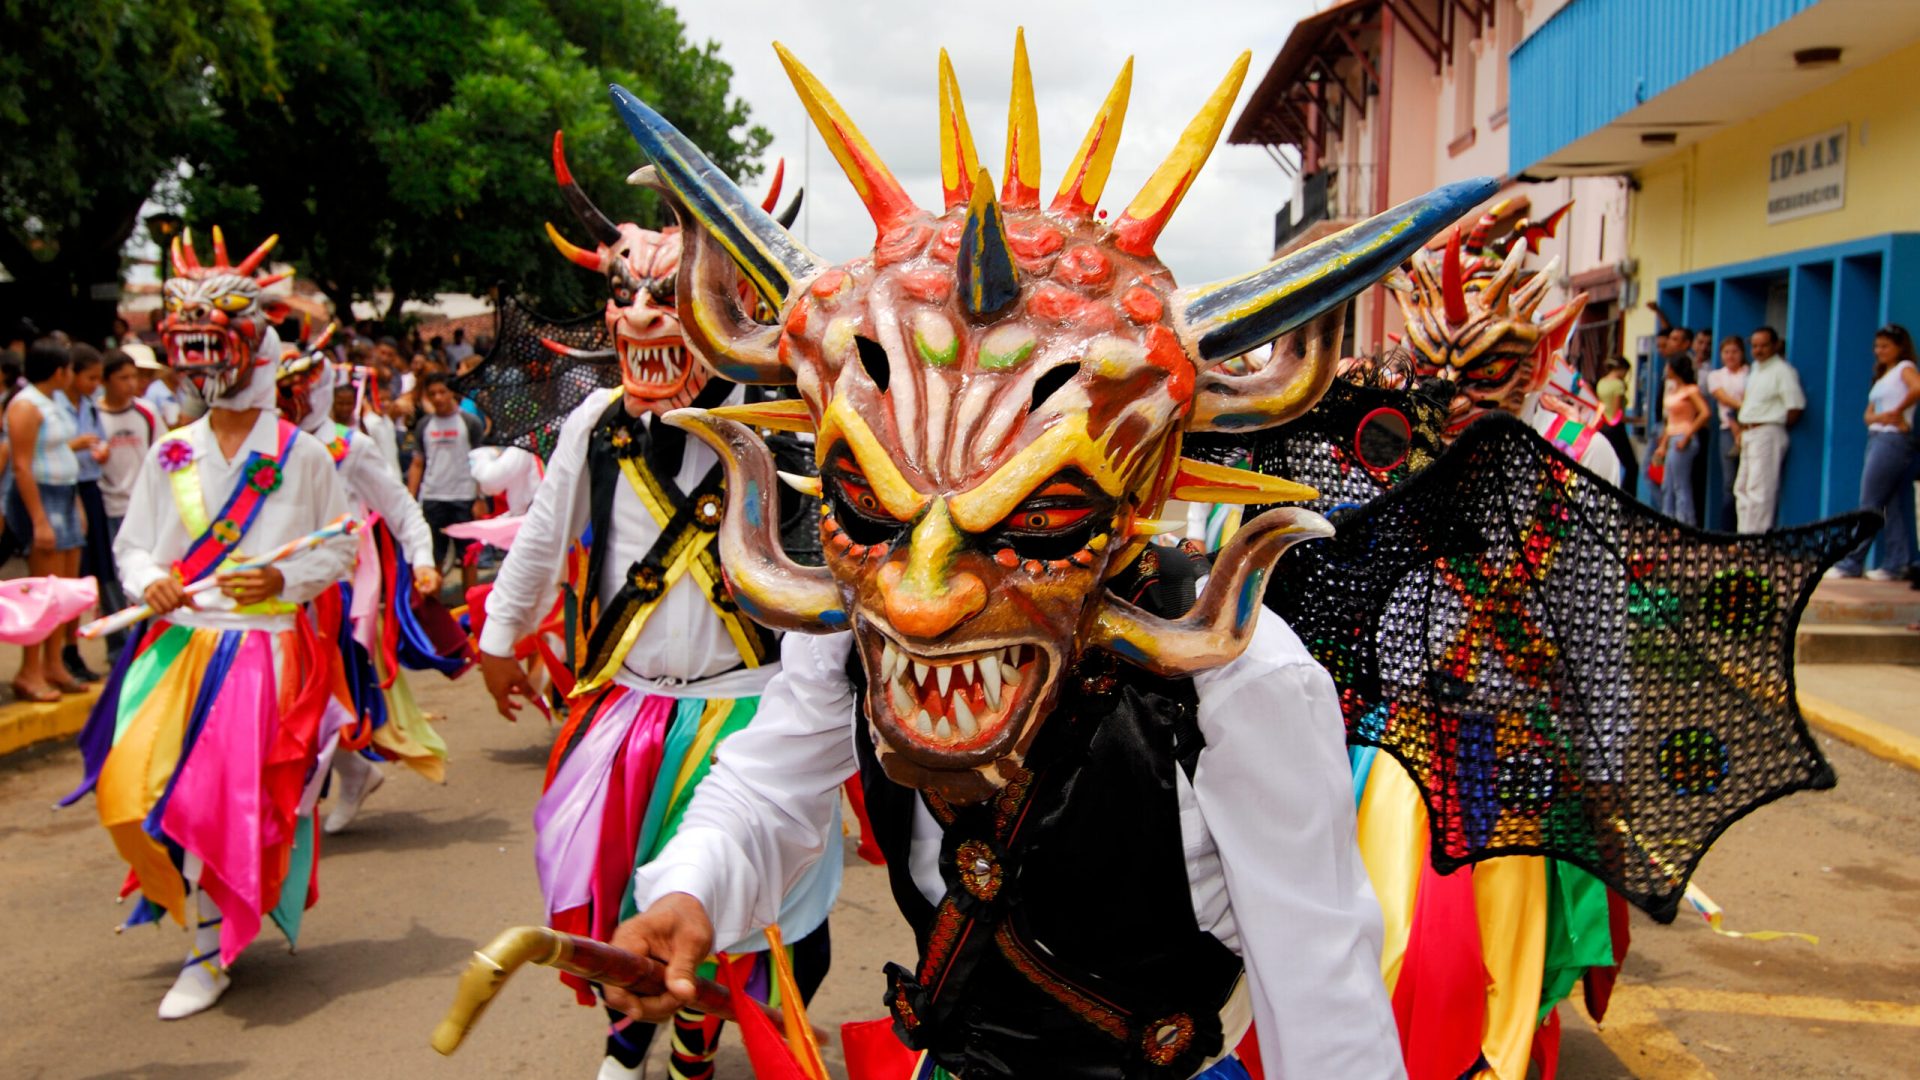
(80, 419)
(1740, 402)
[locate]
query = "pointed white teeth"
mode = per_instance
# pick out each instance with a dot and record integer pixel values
(924, 723)
(990, 680)
(944, 676)
(963, 718)
(963, 699)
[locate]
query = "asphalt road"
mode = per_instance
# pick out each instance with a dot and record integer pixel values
(428, 872)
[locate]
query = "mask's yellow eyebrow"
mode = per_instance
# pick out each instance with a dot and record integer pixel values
(1065, 444)
(841, 424)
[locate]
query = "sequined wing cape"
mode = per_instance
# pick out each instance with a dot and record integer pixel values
(525, 388)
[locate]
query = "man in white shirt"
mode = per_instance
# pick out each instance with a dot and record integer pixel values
(1772, 403)
(672, 670)
(235, 674)
(440, 476)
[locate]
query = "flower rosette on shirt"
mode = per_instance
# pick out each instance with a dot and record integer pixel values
(174, 455)
(227, 531)
(264, 476)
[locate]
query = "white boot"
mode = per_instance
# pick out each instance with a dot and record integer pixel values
(611, 1069)
(202, 980)
(358, 778)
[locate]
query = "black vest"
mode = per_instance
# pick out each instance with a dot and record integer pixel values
(1067, 945)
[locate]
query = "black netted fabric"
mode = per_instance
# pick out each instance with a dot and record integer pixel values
(526, 389)
(1562, 670)
(1355, 444)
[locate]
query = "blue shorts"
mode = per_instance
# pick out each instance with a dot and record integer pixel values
(62, 507)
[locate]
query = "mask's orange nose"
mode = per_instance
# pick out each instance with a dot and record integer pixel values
(929, 614)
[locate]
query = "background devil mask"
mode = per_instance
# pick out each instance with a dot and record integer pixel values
(998, 393)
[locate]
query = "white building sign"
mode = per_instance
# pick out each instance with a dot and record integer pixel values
(1807, 176)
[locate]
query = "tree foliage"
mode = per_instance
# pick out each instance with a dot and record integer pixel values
(405, 146)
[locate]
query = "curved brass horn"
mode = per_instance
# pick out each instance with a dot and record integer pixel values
(1221, 623)
(773, 590)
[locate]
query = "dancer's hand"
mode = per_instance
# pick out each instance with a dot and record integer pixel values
(506, 680)
(426, 581)
(252, 586)
(166, 595)
(675, 931)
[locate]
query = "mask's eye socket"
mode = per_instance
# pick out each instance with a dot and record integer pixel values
(232, 301)
(661, 289)
(855, 506)
(1055, 521)
(1492, 368)
(174, 303)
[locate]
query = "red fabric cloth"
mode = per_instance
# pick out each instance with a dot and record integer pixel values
(874, 1052)
(1600, 981)
(1546, 1046)
(869, 847)
(1440, 1002)
(766, 1045)
(1249, 1052)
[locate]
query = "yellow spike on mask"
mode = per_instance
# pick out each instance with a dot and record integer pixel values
(958, 159)
(1087, 175)
(783, 415)
(1150, 210)
(885, 199)
(1198, 481)
(1020, 184)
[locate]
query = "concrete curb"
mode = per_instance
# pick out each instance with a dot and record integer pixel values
(25, 723)
(1881, 740)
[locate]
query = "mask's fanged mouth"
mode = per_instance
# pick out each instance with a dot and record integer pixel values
(198, 348)
(654, 365)
(957, 703)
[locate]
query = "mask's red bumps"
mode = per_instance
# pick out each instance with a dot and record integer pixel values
(1083, 266)
(931, 286)
(797, 318)
(1055, 303)
(829, 283)
(1164, 352)
(1142, 305)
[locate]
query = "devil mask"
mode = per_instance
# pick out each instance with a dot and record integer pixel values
(657, 371)
(998, 393)
(1474, 326)
(305, 382)
(217, 318)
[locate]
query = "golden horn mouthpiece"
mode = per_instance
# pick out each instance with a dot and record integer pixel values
(489, 970)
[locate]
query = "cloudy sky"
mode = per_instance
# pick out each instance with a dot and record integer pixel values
(880, 61)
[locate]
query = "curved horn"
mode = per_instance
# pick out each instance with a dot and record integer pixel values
(984, 268)
(1020, 181)
(792, 213)
(773, 190)
(1221, 623)
(958, 160)
(1292, 381)
(186, 242)
(220, 249)
(581, 257)
(770, 258)
(885, 199)
(259, 255)
(1150, 210)
(1087, 174)
(597, 224)
(1453, 280)
(707, 297)
(1226, 318)
(772, 589)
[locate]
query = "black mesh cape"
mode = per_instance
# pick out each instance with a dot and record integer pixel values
(525, 389)
(1562, 670)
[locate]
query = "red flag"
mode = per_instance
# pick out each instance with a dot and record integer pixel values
(874, 1052)
(766, 1048)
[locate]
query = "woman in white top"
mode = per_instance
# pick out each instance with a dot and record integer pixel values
(1886, 481)
(43, 510)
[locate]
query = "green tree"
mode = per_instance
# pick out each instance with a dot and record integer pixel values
(98, 100)
(410, 148)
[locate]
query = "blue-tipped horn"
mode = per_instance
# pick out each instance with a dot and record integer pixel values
(1237, 315)
(767, 255)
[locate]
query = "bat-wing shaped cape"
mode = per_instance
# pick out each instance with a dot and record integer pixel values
(526, 388)
(1562, 670)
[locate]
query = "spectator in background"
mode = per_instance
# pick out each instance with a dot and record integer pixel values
(459, 350)
(162, 382)
(1886, 480)
(130, 428)
(96, 555)
(1727, 386)
(386, 357)
(1611, 391)
(122, 332)
(1685, 412)
(43, 504)
(1701, 350)
(1773, 402)
(441, 477)
(12, 371)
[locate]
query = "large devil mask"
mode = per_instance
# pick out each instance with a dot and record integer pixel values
(998, 393)
(1474, 326)
(217, 317)
(641, 266)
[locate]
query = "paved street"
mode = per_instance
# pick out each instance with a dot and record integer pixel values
(429, 871)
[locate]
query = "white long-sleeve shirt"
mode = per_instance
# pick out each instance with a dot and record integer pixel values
(1267, 825)
(378, 489)
(682, 638)
(152, 537)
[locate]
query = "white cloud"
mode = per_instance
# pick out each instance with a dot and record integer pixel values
(880, 61)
